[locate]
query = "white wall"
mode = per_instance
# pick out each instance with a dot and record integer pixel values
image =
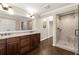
(45, 32)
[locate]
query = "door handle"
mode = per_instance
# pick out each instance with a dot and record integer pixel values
(59, 29)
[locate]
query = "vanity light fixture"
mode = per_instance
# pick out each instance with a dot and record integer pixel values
(4, 6)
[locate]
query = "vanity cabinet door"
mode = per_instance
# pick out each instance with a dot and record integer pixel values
(3, 47)
(24, 44)
(35, 40)
(13, 46)
(32, 41)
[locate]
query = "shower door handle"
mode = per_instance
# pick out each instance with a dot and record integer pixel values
(76, 32)
(59, 29)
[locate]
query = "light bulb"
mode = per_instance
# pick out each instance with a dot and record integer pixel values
(11, 11)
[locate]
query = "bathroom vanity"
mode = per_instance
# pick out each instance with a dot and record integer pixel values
(16, 34)
(19, 43)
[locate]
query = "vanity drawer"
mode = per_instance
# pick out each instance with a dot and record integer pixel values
(2, 51)
(11, 40)
(24, 37)
(13, 46)
(25, 40)
(2, 42)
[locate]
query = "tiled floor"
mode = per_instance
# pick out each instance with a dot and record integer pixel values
(46, 48)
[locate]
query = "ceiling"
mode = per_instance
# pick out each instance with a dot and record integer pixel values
(39, 8)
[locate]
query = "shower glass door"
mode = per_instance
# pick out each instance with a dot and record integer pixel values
(66, 31)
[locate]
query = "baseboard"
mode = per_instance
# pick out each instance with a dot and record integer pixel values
(46, 38)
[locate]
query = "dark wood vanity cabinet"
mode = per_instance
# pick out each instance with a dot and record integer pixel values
(19, 45)
(3, 47)
(24, 44)
(13, 46)
(35, 40)
(28, 42)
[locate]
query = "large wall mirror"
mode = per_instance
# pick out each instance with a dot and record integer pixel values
(14, 25)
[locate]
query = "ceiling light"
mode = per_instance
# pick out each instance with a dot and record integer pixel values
(31, 11)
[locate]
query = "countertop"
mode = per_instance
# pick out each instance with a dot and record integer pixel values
(16, 35)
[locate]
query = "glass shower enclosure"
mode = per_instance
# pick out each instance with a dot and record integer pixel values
(67, 30)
